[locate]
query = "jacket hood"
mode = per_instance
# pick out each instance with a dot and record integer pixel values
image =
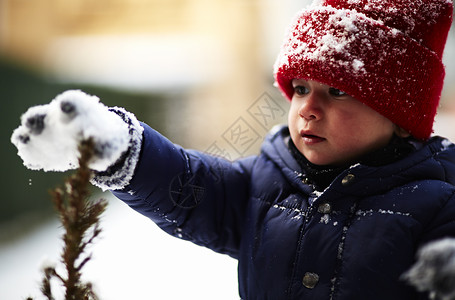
(435, 160)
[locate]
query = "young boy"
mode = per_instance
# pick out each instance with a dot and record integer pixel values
(336, 204)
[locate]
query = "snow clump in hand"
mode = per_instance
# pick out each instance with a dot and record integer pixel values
(434, 270)
(49, 135)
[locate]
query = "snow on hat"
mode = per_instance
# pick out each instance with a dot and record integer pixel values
(385, 53)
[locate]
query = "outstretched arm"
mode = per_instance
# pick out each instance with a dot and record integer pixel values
(190, 194)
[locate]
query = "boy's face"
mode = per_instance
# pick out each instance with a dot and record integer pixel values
(330, 127)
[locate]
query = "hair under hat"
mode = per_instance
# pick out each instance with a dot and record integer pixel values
(385, 53)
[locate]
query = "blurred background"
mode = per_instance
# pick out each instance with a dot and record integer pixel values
(192, 69)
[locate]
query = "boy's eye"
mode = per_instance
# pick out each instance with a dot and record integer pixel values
(336, 92)
(301, 90)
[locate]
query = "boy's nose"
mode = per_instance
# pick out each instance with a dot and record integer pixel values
(311, 108)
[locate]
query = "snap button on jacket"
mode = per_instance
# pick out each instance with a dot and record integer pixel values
(348, 179)
(310, 280)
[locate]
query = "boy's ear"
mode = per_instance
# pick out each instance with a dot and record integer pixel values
(401, 132)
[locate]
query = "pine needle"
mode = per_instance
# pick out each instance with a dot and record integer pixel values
(80, 218)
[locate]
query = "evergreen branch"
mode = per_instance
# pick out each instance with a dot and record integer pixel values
(77, 216)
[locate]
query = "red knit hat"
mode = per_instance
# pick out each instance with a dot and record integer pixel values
(385, 53)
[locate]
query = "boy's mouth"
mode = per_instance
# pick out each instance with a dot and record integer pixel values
(310, 138)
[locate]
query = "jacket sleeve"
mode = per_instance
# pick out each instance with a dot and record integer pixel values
(189, 194)
(442, 222)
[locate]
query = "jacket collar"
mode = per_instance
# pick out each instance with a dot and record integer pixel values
(435, 160)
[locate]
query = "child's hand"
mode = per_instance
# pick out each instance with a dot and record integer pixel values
(49, 135)
(434, 270)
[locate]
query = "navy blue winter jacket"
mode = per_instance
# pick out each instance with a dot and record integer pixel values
(353, 242)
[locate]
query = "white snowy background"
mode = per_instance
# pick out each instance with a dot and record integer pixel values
(133, 259)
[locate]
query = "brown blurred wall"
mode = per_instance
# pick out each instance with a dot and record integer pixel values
(28, 28)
